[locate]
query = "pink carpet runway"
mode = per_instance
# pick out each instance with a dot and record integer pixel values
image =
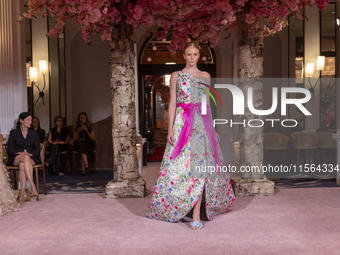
(294, 221)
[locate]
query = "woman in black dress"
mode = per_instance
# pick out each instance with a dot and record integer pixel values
(84, 138)
(58, 139)
(23, 151)
(36, 126)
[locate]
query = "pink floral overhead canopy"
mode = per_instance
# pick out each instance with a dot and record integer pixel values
(202, 20)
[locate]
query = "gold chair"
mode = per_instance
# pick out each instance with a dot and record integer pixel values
(305, 142)
(327, 142)
(35, 167)
(275, 142)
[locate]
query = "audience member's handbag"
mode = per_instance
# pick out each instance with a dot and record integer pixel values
(27, 194)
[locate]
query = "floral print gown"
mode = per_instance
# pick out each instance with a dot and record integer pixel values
(178, 188)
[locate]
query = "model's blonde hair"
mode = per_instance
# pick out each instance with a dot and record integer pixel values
(192, 44)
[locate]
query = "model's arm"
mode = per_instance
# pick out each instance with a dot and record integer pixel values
(172, 103)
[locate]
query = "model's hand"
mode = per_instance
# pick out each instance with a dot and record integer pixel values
(170, 137)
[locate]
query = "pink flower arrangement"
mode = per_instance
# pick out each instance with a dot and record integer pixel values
(201, 20)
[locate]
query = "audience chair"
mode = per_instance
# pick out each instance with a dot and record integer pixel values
(36, 168)
(275, 142)
(305, 142)
(326, 142)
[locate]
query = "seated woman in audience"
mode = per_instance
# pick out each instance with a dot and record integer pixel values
(58, 139)
(84, 138)
(23, 151)
(8, 204)
(36, 126)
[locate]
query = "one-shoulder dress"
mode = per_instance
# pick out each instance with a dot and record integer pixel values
(179, 185)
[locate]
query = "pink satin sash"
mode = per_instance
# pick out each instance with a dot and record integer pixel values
(188, 114)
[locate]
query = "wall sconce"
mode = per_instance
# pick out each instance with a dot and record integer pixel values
(34, 78)
(320, 66)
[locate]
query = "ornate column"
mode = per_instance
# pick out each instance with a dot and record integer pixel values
(127, 182)
(13, 88)
(250, 67)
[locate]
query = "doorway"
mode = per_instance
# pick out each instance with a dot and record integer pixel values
(155, 65)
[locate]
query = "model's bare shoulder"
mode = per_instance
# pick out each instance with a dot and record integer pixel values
(174, 76)
(205, 75)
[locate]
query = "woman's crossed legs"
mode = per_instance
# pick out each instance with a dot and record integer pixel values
(25, 164)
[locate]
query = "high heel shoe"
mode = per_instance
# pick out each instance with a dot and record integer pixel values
(196, 224)
(35, 196)
(21, 202)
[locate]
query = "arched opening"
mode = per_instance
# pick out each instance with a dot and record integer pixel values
(155, 65)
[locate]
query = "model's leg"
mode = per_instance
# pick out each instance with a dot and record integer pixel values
(197, 210)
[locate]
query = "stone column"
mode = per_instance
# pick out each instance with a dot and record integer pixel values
(250, 69)
(127, 182)
(13, 88)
